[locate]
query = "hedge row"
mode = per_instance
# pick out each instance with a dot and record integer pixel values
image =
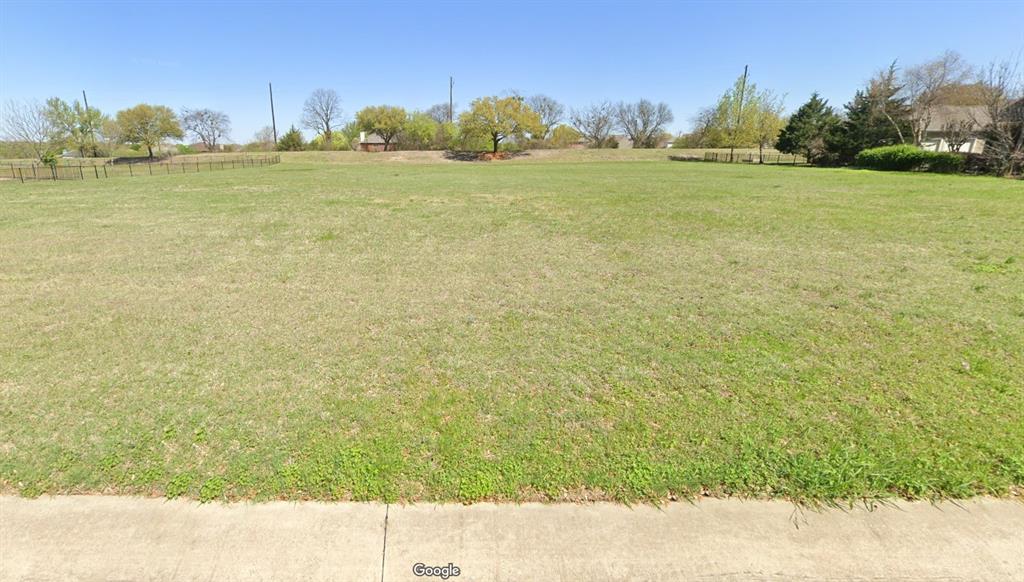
(908, 158)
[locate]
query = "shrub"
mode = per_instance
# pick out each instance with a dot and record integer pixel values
(291, 141)
(908, 158)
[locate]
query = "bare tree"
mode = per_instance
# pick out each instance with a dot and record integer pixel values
(925, 84)
(439, 113)
(27, 122)
(594, 123)
(1003, 90)
(322, 112)
(551, 112)
(703, 124)
(643, 121)
(265, 137)
(958, 131)
(207, 125)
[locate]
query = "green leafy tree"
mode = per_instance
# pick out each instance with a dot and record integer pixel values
(384, 120)
(707, 130)
(447, 136)
(147, 125)
(419, 132)
(291, 141)
(563, 136)
(687, 141)
(73, 126)
(808, 129)
(736, 114)
(499, 118)
(768, 121)
(350, 131)
(337, 143)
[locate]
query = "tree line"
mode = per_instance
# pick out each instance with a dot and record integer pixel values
(489, 123)
(895, 107)
(54, 126)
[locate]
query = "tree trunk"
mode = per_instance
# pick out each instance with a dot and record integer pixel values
(150, 151)
(495, 139)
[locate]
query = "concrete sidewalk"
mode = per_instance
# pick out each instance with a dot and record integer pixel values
(118, 538)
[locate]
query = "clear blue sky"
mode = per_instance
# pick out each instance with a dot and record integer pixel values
(199, 54)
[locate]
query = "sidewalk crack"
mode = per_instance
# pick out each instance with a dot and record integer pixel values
(384, 551)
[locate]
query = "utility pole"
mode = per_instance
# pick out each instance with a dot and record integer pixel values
(451, 102)
(92, 133)
(739, 112)
(273, 119)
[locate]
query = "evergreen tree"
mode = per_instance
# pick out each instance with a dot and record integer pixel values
(809, 129)
(291, 141)
(877, 116)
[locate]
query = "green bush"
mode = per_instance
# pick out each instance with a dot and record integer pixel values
(291, 141)
(908, 158)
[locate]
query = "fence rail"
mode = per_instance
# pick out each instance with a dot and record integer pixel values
(754, 158)
(30, 172)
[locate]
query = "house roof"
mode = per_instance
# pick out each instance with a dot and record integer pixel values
(371, 138)
(944, 114)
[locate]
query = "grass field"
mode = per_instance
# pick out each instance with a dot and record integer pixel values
(574, 329)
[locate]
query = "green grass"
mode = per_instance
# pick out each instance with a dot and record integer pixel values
(573, 329)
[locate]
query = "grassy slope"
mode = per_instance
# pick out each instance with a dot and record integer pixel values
(513, 330)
